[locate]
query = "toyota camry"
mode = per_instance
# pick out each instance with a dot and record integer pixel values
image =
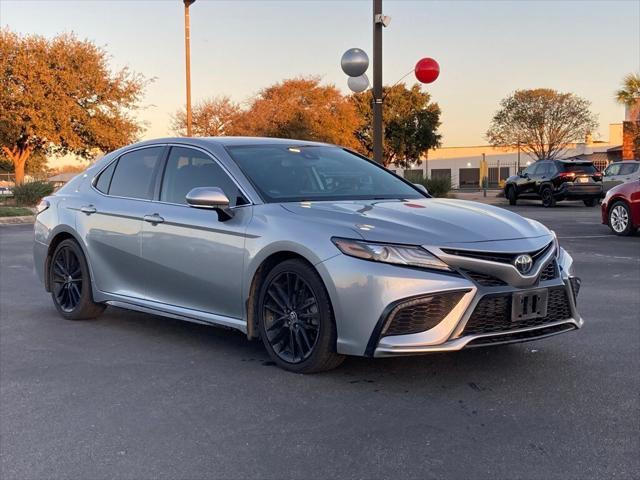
(310, 247)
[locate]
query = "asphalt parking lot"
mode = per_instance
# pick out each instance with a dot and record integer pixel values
(137, 396)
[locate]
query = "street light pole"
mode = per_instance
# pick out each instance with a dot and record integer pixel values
(377, 82)
(187, 47)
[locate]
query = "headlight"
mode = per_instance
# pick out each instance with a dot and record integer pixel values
(387, 253)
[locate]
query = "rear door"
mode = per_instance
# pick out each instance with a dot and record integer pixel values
(629, 171)
(110, 220)
(611, 176)
(192, 259)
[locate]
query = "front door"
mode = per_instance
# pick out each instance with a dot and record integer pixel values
(192, 259)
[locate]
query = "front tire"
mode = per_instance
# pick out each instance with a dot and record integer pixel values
(295, 319)
(71, 283)
(620, 219)
(548, 201)
(511, 195)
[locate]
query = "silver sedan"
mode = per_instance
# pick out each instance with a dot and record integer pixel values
(312, 248)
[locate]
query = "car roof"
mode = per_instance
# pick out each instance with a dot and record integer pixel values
(575, 162)
(234, 141)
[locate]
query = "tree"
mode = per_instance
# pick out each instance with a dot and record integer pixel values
(59, 96)
(211, 117)
(410, 119)
(303, 109)
(629, 96)
(542, 121)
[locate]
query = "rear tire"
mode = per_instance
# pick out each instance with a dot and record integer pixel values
(296, 320)
(590, 202)
(71, 283)
(619, 217)
(547, 197)
(511, 195)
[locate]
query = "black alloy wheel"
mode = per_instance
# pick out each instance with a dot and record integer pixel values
(547, 197)
(291, 317)
(295, 318)
(67, 279)
(70, 283)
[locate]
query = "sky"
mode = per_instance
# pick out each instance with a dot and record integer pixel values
(486, 49)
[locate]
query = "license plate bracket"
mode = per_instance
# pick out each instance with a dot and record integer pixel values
(529, 304)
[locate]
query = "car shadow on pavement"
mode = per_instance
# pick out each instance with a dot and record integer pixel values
(227, 348)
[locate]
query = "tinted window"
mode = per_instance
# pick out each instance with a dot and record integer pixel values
(628, 168)
(104, 179)
(580, 168)
(187, 169)
(289, 174)
(134, 173)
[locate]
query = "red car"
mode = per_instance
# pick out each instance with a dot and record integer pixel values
(621, 208)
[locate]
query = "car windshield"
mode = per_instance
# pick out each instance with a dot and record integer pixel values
(580, 168)
(315, 173)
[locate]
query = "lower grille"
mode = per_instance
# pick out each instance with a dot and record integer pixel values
(493, 313)
(521, 336)
(420, 314)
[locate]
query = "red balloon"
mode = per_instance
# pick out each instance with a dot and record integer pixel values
(427, 70)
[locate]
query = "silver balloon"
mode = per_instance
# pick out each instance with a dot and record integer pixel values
(354, 62)
(358, 84)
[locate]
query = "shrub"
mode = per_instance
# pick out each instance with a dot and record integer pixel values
(30, 193)
(437, 187)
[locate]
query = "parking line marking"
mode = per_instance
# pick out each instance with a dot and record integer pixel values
(591, 236)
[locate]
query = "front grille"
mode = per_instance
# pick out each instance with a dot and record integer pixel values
(493, 313)
(549, 272)
(421, 314)
(497, 257)
(484, 279)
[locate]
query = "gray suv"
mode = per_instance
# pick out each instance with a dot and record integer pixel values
(310, 247)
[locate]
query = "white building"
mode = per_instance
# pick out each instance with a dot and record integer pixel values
(462, 164)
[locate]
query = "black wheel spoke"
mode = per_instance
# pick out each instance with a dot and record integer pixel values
(67, 279)
(291, 318)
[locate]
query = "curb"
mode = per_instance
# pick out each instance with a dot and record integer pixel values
(17, 220)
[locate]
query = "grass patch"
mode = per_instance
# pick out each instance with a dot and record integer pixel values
(14, 211)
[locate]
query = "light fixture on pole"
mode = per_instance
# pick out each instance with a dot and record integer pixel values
(187, 48)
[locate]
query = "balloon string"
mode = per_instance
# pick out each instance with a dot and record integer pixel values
(401, 78)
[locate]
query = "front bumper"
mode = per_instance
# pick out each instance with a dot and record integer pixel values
(363, 301)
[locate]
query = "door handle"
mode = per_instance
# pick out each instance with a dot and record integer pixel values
(88, 209)
(155, 218)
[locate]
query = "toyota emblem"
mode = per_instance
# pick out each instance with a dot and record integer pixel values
(523, 263)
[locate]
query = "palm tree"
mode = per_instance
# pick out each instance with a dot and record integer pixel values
(629, 95)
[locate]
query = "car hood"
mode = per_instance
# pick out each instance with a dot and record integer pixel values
(429, 221)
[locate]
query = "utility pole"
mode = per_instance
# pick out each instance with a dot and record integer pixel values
(377, 81)
(187, 47)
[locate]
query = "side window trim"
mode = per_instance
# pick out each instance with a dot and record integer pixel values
(215, 160)
(163, 157)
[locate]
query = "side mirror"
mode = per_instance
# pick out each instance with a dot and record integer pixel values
(212, 198)
(421, 187)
